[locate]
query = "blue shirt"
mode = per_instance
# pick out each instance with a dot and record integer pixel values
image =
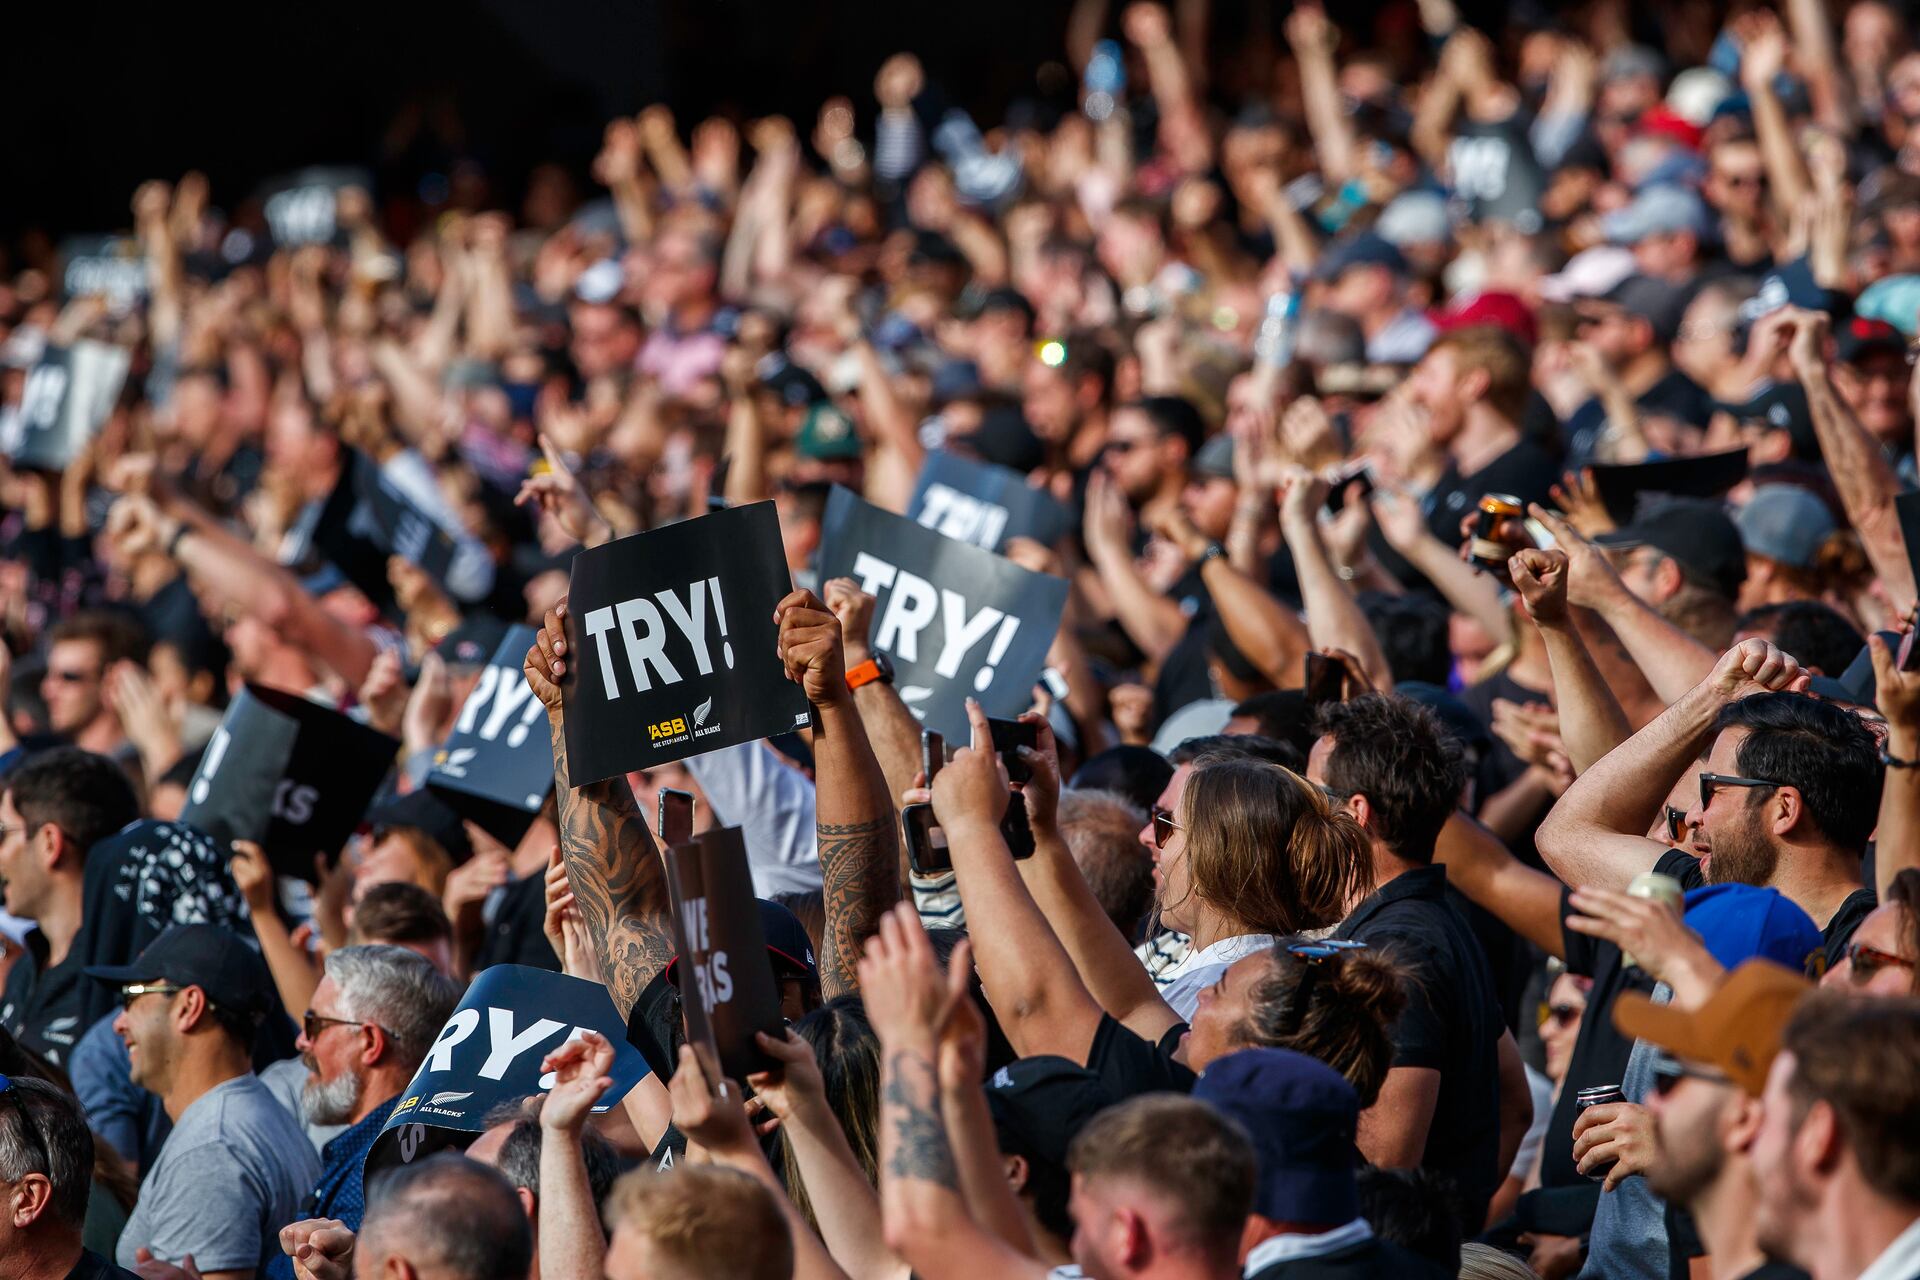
(340, 1193)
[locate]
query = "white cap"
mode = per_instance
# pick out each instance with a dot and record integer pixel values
(1589, 273)
(1697, 93)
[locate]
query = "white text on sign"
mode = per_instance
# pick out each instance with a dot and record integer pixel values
(642, 631)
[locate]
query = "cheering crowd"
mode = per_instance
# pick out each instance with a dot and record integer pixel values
(1470, 824)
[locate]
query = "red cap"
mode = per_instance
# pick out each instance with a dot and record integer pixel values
(1664, 122)
(1501, 310)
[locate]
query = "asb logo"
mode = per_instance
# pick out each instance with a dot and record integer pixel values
(667, 729)
(408, 1105)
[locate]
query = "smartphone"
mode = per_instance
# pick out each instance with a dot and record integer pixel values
(1015, 830)
(1361, 471)
(927, 850)
(1326, 680)
(1008, 737)
(676, 817)
(933, 753)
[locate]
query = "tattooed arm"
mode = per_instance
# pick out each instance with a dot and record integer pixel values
(853, 815)
(619, 883)
(924, 1212)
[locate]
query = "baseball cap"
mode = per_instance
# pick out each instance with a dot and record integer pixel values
(1894, 299)
(424, 811)
(1589, 274)
(1038, 1104)
(1696, 534)
(472, 642)
(1662, 121)
(1864, 336)
(787, 941)
(1660, 209)
(1697, 93)
(1658, 303)
(1493, 307)
(1415, 217)
(1215, 458)
(1633, 60)
(1004, 438)
(1780, 406)
(1742, 922)
(793, 385)
(826, 435)
(216, 960)
(1737, 1030)
(1301, 1115)
(974, 304)
(1786, 523)
(1363, 250)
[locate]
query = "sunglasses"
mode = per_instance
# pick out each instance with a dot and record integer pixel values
(1676, 824)
(1868, 961)
(312, 1024)
(72, 677)
(1669, 1072)
(1561, 1015)
(28, 1127)
(1164, 826)
(1712, 782)
(134, 990)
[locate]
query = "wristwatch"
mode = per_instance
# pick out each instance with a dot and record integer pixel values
(878, 667)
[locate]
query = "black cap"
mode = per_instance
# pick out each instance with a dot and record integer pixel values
(1040, 1103)
(1003, 438)
(1658, 303)
(1696, 534)
(796, 387)
(218, 961)
(424, 811)
(473, 642)
(1861, 337)
(1781, 406)
(1362, 250)
(787, 942)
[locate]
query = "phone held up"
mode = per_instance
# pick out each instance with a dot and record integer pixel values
(927, 851)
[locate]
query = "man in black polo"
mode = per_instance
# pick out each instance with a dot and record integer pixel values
(1456, 1078)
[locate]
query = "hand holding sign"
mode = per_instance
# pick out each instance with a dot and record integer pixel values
(798, 1086)
(810, 648)
(971, 791)
(580, 1076)
(854, 608)
(711, 1113)
(546, 663)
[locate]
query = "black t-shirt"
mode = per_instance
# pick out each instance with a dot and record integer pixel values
(1452, 1023)
(1776, 1271)
(45, 1009)
(1128, 1065)
(1183, 676)
(91, 1266)
(1527, 471)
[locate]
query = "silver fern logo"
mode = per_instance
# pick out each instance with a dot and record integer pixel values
(442, 1099)
(700, 713)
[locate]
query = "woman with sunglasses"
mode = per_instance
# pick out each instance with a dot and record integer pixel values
(1883, 957)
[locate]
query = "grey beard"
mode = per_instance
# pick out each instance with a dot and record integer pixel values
(330, 1101)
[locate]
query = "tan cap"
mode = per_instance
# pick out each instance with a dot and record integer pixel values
(1737, 1030)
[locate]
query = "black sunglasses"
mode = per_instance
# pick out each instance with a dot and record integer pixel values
(312, 1024)
(1712, 782)
(1164, 826)
(1669, 1072)
(1561, 1015)
(1676, 824)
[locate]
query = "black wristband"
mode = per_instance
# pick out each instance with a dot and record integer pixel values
(1895, 762)
(1214, 551)
(173, 543)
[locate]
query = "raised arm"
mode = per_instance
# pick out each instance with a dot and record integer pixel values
(1591, 721)
(1897, 838)
(891, 728)
(1855, 460)
(1481, 866)
(1594, 835)
(1271, 635)
(1314, 39)
(619, 883)
(859, 839)
(926, 1218)
(1150, 619)
(1467, 589)
(570, 1241)
(1762, 58)
(1334, 619)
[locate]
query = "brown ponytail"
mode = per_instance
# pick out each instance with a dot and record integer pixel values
(1339, 1009)
(1266, 848)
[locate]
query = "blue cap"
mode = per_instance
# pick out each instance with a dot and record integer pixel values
(1301, 1115)
(1659, 209)
(1363, 250)
(1895, 299)
(1785, 523)
(1739, 922)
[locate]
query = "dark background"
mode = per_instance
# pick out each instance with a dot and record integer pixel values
(101, 98)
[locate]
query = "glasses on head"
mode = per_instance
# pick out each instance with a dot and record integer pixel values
(1676, 824)
(1324, 950)
(1561, 1015)
(1164, 826)
(1867, 961)
(134, 990)
(1669, 1072)
(28, 1127)
(1712, 782)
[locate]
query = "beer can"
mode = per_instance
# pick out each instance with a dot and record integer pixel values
(1660, 888)
(1594, 1096)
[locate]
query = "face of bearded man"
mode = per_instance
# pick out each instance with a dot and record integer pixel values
(328, 1101)
(1742, 853)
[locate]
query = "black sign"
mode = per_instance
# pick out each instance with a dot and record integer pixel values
(368, 518)
(490, 1051)
(725, 978)
(67, 397)
(497, 764)
(1706, 475)
(110, 266)
(303, 207)
(671, 640)
(289, 773)
(957, 621)
(984, 504)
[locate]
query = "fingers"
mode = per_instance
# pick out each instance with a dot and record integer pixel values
(982, 732)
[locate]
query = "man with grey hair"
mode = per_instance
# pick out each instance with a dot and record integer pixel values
(373, 1018)
(511, 1144)
(445, 1218)
(46, 1171)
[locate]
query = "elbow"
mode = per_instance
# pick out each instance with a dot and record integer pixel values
(276, 609)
